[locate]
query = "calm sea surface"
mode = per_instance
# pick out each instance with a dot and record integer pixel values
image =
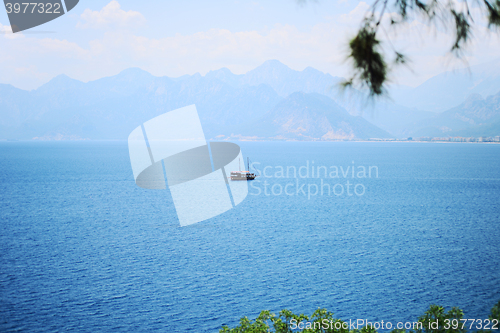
(83, 248)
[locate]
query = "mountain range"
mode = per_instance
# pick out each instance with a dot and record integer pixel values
(271, 102)
(477, 116)
(309, 116)
(450, 88)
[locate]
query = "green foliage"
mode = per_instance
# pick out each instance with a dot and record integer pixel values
(462, 31)
(495, 312)
(259, 325)
(369, 65)
(434, 320)
(493, 13)
(320, 321)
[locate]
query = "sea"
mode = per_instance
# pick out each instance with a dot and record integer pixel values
(84, 249)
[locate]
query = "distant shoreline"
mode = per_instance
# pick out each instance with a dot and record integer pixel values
(322, 141)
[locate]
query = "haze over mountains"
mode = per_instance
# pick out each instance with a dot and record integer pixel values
(309, 116)
(271, 102)
(451, 88)
(477, 116)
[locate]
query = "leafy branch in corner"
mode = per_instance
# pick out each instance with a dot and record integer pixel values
(370, 66)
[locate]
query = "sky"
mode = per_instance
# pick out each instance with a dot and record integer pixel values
(173, 38)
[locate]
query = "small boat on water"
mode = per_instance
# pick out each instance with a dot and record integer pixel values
(243, 175)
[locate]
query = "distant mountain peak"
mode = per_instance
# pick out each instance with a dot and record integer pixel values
(225, 75)
(274, 63)
(134, 71)
(285, 80)
(311, 69)
(62, 78)
(59, 82)
(310, 116)
(196, 76)
(223, 70)
(270, 68)
(474, 97)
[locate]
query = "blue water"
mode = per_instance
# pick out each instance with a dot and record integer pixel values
(83, 248)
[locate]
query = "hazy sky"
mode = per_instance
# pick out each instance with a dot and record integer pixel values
(173, 38)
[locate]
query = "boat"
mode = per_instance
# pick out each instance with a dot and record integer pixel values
(243, 175)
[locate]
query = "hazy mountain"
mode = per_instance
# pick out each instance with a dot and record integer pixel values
(487, 130)
(12, 111)
(312, 116)
(226, 76)
(450, 89)
(281, 78)
(395, 119)
(477, 116)
(286, 81)
(111, 107)
(386, 114)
